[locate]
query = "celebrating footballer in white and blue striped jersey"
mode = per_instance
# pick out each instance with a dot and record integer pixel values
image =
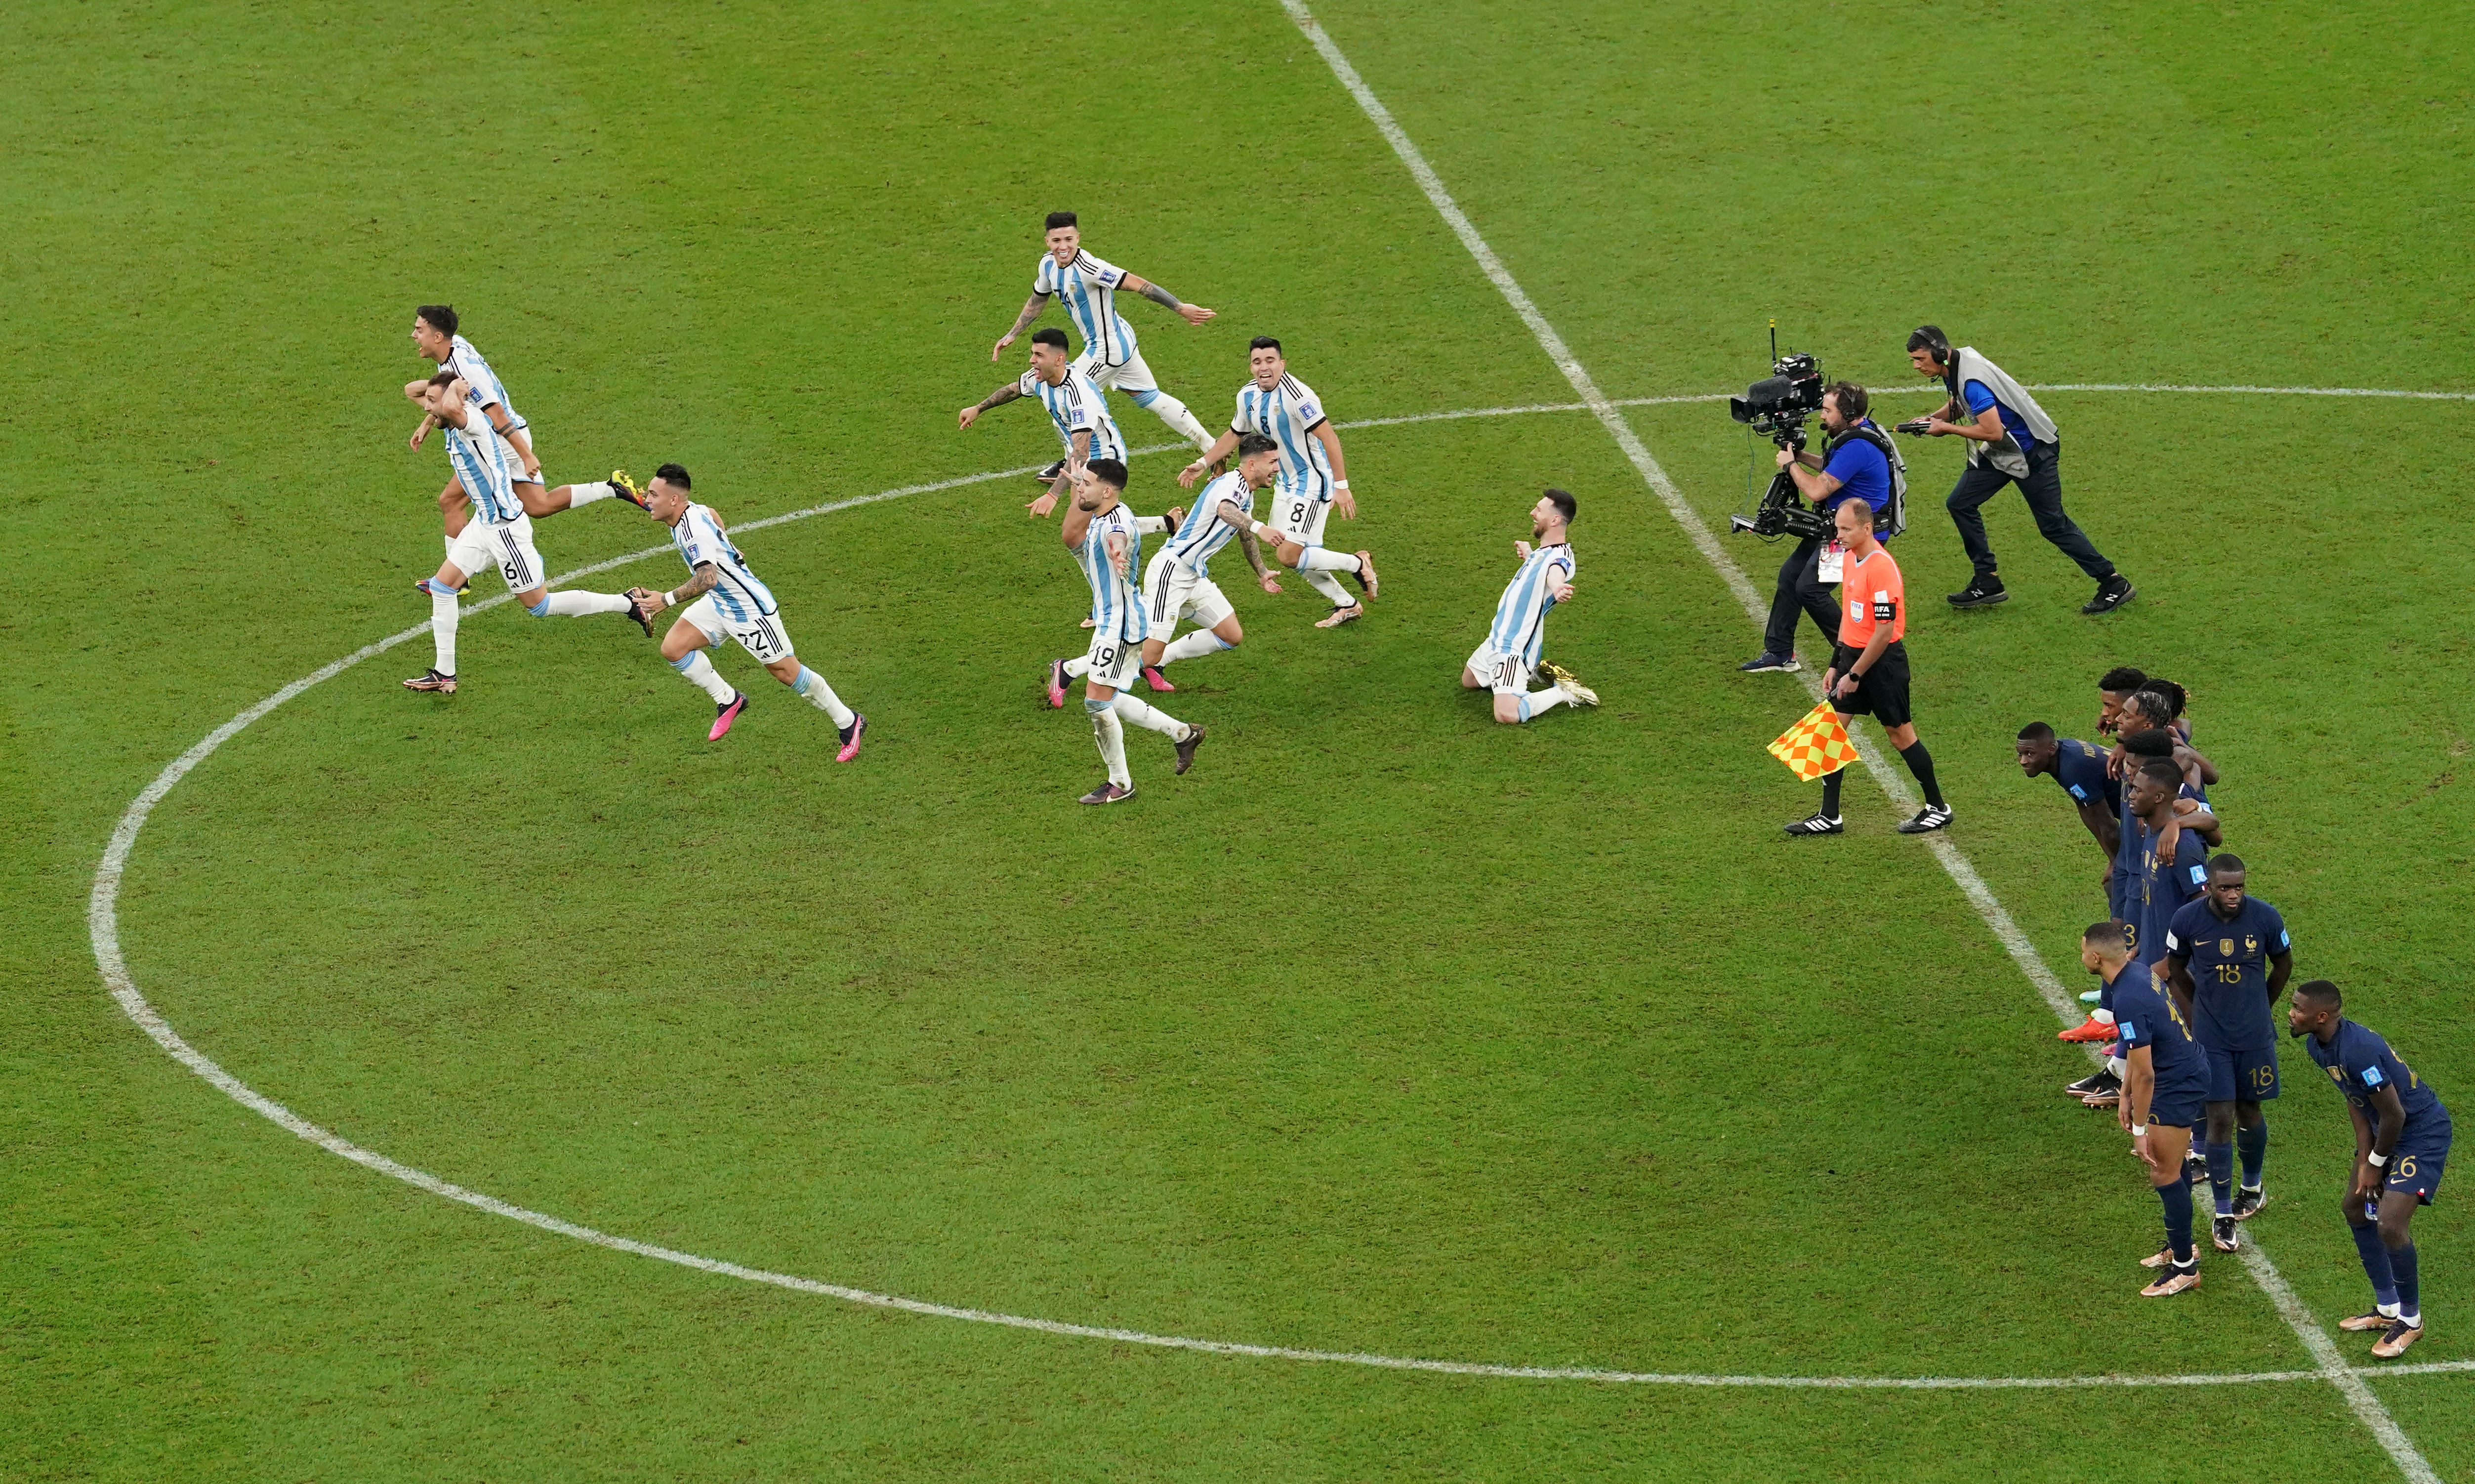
(1079, 408)
(1313, 476)
(1506, 660)
(1178, 584)
(434, 337)
(499, 534)
(725, 601)
(1087, 288)
(1106, 541)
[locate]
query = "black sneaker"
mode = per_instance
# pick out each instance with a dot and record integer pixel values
(1186, 748)
(1050, 475)
(1983, 591)
(1818, 824)
(2110, 593)
(1931, 817)
(1764, 663)
(2248, 1200)
(2222, 1231)
(2098, 1081)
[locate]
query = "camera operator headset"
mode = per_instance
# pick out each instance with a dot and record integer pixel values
(2011, 441)
(1860, 462)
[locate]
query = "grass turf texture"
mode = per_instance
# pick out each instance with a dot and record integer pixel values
(1386, 1028)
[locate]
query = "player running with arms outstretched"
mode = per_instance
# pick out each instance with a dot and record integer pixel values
(498, 535)
(1314, 477)
(435, 338)
(1510, 655)
(1178, 583)
(1074, 402)
(1101, 533)
(1090, 288)
(724, 600)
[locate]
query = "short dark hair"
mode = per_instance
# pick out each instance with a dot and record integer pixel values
(2164, 770)
(2225, 860)
(1108, 471)
(1566, 506)
(442, 377)
(2037, 731)
(1853, 402)
(1251, 444)
(1057, 219)
(1052, 335)
(438, 317)
(2122, 678)
(2153, 741)
(2320, 993)
(1264, 343)
(2106, 937)
(1929, 337)
(674, 474)
(2174, 695)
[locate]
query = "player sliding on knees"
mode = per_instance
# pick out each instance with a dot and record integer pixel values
(724, 599)
(1178, 583)
(1101, 533)
(499, 534)
(435, 338)
(1314, 477)
(1505, 663)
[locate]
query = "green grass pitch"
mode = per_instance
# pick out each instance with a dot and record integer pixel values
(1385, 1030)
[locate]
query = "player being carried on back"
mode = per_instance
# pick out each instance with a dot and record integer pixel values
(725, 601)
(1510, 655)
(1090, 288)
(1178, 583)
(499, 534)
(1101, 533)
(1314, 477)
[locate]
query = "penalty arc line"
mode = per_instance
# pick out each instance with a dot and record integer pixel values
(2323, 1351)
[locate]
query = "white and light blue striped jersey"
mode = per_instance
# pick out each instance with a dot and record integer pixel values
(1521, 615)
(1289, 414)
(467, 362)
(739, 596)
(1077, 404)
(1089, 289)
(1117, 601)
(484, 465)
(1204, 532)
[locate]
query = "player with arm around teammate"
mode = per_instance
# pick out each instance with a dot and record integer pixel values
(498, 535)
(1868, 669)
(2401, 1140)
(724, 600)
(2164, 1083)
(1314, 481)
(2227, 961)
(434, 339)
(1075, 404)
(1101, 533)
(1089, 288)
(1178, 583)
(1510, 655)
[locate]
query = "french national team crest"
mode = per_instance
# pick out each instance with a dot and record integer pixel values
(1816, 746)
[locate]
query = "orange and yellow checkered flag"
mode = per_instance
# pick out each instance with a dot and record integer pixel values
(1816, 746)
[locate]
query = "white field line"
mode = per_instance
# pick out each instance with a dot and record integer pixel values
(2315, 1340)
(103, 927)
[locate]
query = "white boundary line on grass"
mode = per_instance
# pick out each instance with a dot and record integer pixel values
(2323, 1351)
(103, 929)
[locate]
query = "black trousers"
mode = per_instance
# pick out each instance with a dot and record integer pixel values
(2042, 489)
(1799, 588)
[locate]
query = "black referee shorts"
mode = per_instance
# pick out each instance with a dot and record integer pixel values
(1881, 692)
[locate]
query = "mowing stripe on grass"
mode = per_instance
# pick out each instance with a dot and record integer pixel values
(2315, 1340)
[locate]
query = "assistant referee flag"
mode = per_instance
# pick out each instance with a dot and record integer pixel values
(1816, 746)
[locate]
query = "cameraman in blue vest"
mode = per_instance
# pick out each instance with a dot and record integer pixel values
(1859, 462)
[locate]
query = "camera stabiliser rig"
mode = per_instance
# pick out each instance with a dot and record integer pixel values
(1776, 407)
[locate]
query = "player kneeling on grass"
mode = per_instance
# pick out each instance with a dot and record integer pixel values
(1101, 533)
(499, 534)
(725, 601)
(1505, 663)
(1178, 583)
(2164, 1081)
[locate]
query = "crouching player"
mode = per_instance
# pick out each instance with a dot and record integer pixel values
(725, 601)
(1178, 583)
(2401, 1137)
(1505, 661)
(2165, 1083)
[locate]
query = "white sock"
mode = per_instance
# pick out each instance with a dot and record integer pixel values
(569, 605)
(2103, 1017)
(1328, 585)
(1538, 702)
(1169, 410)
(442, 630)
(1194, 646)
(1080, 665)
(821, 695)
(587, 493)
(701, 673)
(1148, 717)
(2116, 1066)
(1111, 735)
(1325, 559)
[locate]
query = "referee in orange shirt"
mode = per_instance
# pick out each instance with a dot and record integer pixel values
(1868, 668)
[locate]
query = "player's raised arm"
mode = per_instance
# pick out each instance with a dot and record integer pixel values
(1194, 314)
(1221, 447)
(997, 398)
(1031, 310)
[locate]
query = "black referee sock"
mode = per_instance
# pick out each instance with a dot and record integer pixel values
(1830, 793)
(1921, 763)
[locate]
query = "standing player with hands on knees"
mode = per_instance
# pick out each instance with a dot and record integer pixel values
(1869, 671)
(1505, 660)
(2164, 1083)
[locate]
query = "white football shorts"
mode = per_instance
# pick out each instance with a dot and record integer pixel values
(1299, 511)
(764, 637)
(1505, 675)
(1126, 377)
(1114, 659)
(1171, 593)
(506, 545)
